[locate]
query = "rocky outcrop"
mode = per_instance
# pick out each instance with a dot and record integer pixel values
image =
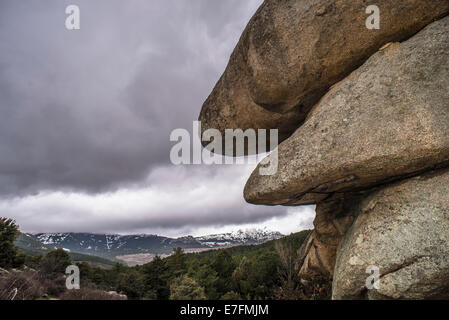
(387, 120)
(370, 143)
(292, 52)
(402, 229)
(319, 251)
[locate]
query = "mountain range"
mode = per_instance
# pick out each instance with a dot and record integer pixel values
(112, 245)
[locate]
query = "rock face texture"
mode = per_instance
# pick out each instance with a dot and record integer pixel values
(364, 119)
(403, 229)
(292, 51)
(388, 119)
(332, 221)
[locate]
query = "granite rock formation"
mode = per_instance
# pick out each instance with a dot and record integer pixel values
(363, 119)
(386, 120)
(293, 51)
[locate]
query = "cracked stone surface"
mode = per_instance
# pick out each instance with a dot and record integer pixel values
(403, 230)
(292, 51)
(319, 252)
(387, 120)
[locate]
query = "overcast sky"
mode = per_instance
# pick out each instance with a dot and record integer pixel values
(86, 115)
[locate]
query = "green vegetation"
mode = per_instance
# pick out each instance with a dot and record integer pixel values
(10, 257)
(267, 271)
(54, 263)
(92, 260)
(186, 288)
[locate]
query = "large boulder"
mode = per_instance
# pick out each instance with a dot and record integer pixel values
(292, 51)
(402, 229)
(387, 121)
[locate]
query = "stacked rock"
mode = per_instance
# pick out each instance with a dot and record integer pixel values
(363, 116)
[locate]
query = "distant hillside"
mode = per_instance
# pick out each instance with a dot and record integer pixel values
(240, 237)
(30, 245)
(111, 246)
(295, 239)
(94, 261)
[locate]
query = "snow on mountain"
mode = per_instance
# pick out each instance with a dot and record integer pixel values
(250, 236)
(110, 245)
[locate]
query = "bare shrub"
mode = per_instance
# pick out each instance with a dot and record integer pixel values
(20, 286)
(53, 287)
(291, 288)
(89, 294)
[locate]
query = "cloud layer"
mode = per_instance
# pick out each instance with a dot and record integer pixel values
(198, 204)
(86, 115)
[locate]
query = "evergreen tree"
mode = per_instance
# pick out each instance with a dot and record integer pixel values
(231, 295)
(206, 277)
(185, 288)
(132, 284)
(177, 263)
(9, 231)
(224, 267)
(156, 279)
(55, 263)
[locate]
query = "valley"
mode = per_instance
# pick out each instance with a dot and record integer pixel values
(136, 249)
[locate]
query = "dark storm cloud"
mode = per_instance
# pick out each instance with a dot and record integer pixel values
(85, 117)
(92, 110)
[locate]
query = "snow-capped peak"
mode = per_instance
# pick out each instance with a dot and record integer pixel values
(254, 235)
